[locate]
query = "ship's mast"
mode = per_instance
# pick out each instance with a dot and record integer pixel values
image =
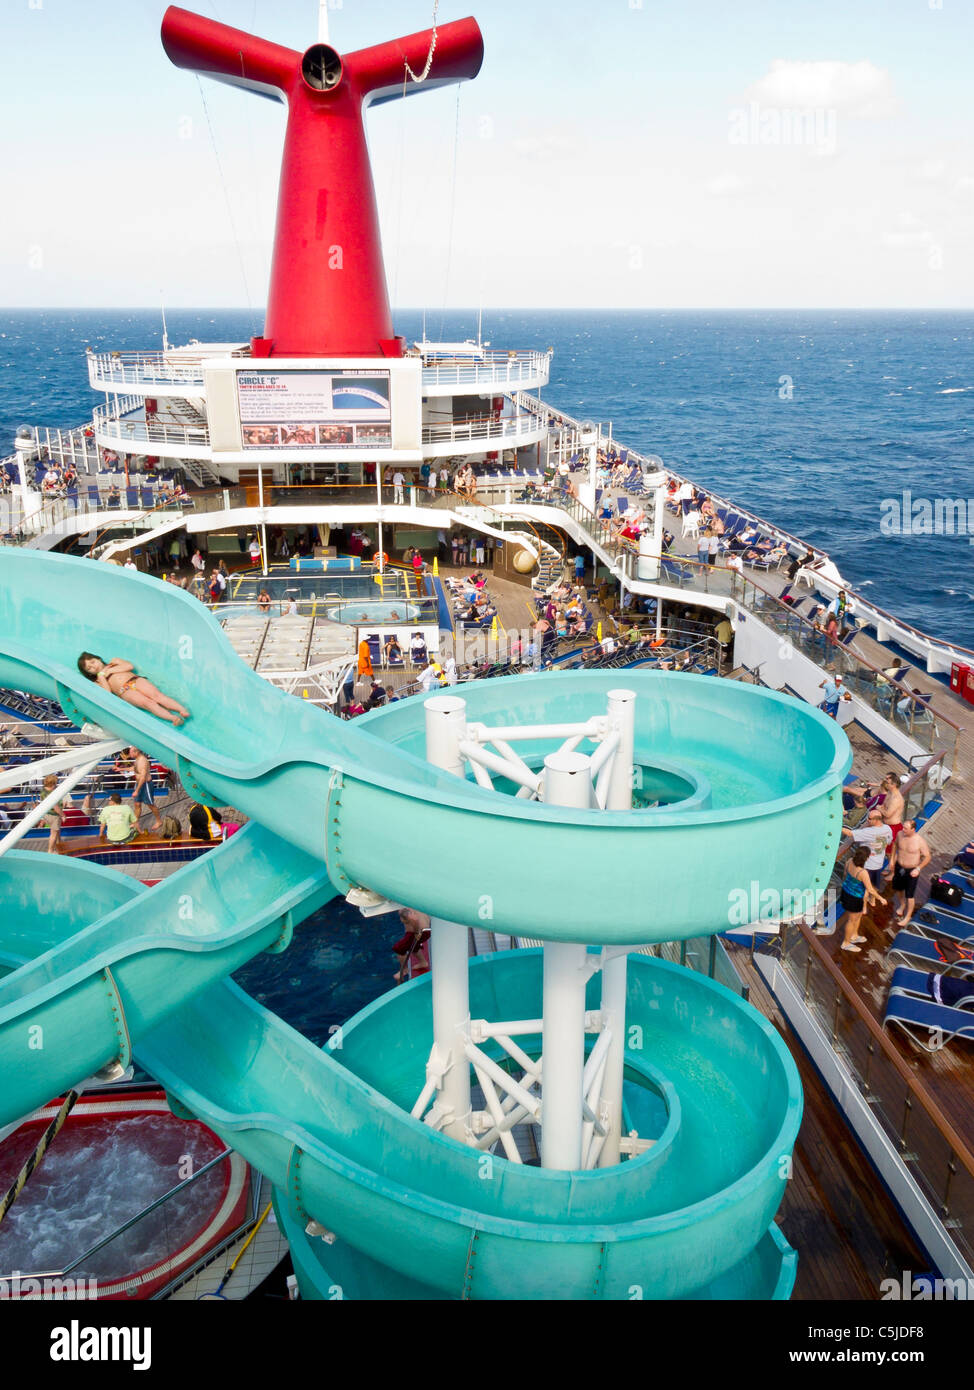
(322, 21)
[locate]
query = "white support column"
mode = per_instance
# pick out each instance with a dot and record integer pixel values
(567, 782)
(446, 726)
(263, 524)
(622, 717)
(614, 987)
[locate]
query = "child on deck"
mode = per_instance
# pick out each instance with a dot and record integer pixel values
(120, 678)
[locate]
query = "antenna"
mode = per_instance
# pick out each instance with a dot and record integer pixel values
(322, 21)
(165, 330)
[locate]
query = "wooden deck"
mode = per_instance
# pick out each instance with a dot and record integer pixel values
(948, 1075)
(848, 1232)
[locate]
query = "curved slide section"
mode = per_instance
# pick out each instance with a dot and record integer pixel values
(762, 772)
(710, 1082)
(108, 960)
(331, 1129)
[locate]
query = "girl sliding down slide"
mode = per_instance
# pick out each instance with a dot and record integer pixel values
(120, 678)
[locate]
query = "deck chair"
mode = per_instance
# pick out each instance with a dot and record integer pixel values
(148, 501)
(691, 525)
(132, 499)
(908, 947)
(931, 1026)
(375, 648)
(906, 980)
(94, 497)
(930, 923)
(418, 653)
(963, 912)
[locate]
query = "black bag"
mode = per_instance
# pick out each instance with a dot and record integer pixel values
(947, 893)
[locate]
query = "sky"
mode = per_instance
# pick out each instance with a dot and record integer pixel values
(617, 154)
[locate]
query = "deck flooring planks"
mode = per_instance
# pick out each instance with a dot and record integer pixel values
(836, 1213)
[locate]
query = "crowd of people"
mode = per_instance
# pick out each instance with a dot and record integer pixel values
(884, 853)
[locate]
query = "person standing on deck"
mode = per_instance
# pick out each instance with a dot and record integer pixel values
(142, 791)
(398, 483)
(893, 804)
(910, 855)
(856, 896)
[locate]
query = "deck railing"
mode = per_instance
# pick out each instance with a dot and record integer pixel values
(114, 422)
(483, 429)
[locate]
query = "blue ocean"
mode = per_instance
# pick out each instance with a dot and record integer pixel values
(811, 418)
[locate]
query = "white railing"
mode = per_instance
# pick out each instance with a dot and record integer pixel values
(494, 369)
(111, 422)
(482, 430)
(107, 370)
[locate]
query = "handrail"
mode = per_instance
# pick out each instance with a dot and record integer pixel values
(914, 1084)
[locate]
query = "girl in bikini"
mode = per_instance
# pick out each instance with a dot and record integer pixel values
(121, 679)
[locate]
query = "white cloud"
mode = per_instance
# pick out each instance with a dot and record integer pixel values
(856, 89)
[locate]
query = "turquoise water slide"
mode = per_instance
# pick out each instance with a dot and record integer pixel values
(745, 793)
(710, 1082)
(121, 962)
(757, 776)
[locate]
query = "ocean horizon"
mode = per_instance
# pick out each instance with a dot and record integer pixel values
(827, 422)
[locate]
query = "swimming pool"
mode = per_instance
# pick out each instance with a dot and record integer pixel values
(373, 611)
(315, 586)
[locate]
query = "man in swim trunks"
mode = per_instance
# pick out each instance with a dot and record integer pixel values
(910, 855)
(893, 804)
(142, 791)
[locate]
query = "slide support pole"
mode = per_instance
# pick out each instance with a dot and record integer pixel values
(567, 782)
(446, 726)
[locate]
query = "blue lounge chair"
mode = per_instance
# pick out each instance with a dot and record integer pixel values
(148, 500)
(132, 499)
(963, 912)
(908, 981)
(931, 1026)
(923, 949)
(94, 499)
(932, 923)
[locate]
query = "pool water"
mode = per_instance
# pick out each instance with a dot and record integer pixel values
(366, 611)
